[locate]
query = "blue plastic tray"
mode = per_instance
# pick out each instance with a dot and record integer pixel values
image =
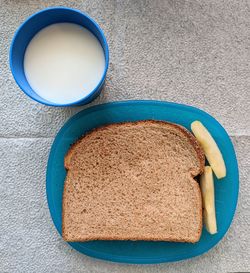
(140, 252)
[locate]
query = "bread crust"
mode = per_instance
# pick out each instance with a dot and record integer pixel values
(188, 134)
(200, 155)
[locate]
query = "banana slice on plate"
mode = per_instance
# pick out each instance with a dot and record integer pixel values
(211, 149)
(207, 190)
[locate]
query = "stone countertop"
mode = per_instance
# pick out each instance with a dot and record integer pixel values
(194, 52)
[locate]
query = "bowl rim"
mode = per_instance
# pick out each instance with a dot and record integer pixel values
(104, 46)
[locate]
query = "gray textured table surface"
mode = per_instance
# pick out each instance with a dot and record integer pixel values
(195, 52)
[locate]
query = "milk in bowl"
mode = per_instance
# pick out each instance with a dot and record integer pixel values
(64, 62)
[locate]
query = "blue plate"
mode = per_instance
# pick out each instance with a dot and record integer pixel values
(141, 252)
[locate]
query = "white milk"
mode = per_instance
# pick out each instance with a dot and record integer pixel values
(64, 62)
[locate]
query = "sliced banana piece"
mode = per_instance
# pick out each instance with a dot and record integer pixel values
(211, 149)
(207, 190)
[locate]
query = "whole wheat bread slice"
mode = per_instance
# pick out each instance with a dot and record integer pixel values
(133, 181)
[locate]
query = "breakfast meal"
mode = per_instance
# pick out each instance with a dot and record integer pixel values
(138, 180)
(133, 181)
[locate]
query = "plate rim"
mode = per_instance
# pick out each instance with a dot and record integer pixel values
(127, 259)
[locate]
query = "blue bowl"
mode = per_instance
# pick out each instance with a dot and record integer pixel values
(34, 24)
